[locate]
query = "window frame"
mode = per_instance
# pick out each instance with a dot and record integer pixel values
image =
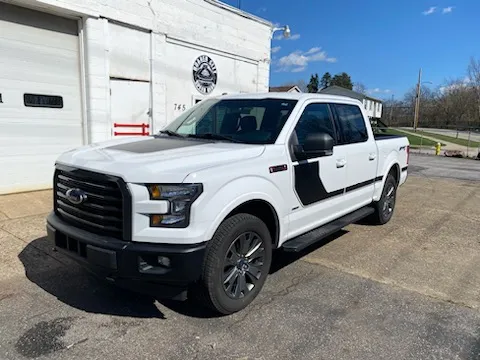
(182, 120)
(340, 129)
(332, 119)
(25, 95)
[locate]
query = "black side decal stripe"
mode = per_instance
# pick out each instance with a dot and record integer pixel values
(310, 188)
(363, 184)
(405, 168)
(308, 185)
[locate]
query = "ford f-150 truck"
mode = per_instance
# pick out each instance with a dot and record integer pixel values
(196, 209)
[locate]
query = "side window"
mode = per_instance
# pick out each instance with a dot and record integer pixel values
(315, 118)
(352, 124)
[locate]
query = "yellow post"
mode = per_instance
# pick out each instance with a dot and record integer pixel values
(438, 147)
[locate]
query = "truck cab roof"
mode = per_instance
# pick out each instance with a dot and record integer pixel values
(291, 96)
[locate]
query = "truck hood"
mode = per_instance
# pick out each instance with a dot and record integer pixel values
(157, 158)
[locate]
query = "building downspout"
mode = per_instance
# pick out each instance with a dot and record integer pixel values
(83, 81)
(152, 79)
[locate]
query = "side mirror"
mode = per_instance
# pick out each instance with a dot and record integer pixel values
(316, 145)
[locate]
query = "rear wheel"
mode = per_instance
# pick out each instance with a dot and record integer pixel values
(385, 207)
(236, 264)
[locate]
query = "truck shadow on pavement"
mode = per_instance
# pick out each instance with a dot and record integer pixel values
(74, 286)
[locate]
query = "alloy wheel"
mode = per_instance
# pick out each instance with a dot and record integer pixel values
(243, 265)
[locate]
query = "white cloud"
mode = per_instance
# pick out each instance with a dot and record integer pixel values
(448, 10)
(298, 61)
(430, 11)
(298, 69)
(379, 91)
(313, 50)
(276, 49)
(292, 37)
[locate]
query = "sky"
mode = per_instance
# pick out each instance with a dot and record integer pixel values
(379, 43)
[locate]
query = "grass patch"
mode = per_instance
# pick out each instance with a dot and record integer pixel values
(415, 141)
(452, 139)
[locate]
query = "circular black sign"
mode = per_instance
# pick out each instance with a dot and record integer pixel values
(204, 74)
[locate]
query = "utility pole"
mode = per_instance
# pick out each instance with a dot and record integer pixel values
(417, 101)
(391, 111)
(239, 4)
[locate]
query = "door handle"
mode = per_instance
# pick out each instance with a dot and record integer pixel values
(341, 163)
(372, 156)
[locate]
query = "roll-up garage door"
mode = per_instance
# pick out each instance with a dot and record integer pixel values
(40, 97)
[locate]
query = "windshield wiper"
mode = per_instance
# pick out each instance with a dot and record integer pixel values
(170, 133)
(213, 137)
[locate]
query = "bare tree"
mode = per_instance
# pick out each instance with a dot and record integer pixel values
(302, 85)
(473, 72)
(360, 88)
(453, 101)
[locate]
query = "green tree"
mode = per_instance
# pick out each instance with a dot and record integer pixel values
(313, 85)
(326, 80)
(342, 80)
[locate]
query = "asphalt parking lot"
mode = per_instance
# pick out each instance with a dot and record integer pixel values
(407, 290)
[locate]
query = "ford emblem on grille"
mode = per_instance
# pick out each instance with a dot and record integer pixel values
(76, 196)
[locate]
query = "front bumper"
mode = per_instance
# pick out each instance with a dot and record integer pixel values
(130, 265)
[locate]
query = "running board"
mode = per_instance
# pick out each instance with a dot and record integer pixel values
(303, 241)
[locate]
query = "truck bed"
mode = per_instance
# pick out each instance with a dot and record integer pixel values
(379, 137)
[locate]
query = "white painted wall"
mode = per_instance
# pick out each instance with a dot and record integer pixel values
(234, 75)
(158, 41)
(39, 54)
(373, 108)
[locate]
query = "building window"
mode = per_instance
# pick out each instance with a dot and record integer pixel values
(45, 101)
(371, 105)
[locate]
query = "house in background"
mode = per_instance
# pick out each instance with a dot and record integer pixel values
(288, 88)
(372, 106)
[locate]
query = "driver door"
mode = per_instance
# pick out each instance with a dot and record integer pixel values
(318, 182)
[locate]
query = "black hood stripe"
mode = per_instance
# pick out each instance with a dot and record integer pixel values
(156, 144)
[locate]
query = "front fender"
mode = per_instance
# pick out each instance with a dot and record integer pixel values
(240, 191)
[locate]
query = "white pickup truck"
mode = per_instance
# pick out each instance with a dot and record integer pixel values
(198, 208)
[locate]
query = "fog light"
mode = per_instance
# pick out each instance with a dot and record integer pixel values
(153, 264)
(143, 266)
(164, 261)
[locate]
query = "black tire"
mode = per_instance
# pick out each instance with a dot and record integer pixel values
(384, 208)
(212, 290)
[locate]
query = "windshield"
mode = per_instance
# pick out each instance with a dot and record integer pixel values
(251, 121)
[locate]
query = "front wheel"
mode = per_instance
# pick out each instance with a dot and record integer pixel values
(236, 264)
(384, 208)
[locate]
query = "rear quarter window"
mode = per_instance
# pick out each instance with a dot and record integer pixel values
(351, 123)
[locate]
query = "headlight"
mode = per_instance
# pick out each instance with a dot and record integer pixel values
(180, 198)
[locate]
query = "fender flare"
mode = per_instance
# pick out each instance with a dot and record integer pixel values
(233, 194)
(392, 162)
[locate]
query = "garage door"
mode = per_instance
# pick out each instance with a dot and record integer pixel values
(40, 101)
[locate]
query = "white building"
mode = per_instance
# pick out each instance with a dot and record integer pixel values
(286, 88)
(372, 106)
(70, 69)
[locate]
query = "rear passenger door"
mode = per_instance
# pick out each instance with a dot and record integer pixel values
(361, 153)
(318, 182)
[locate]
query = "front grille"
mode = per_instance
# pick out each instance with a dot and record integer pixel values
(105, 210)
